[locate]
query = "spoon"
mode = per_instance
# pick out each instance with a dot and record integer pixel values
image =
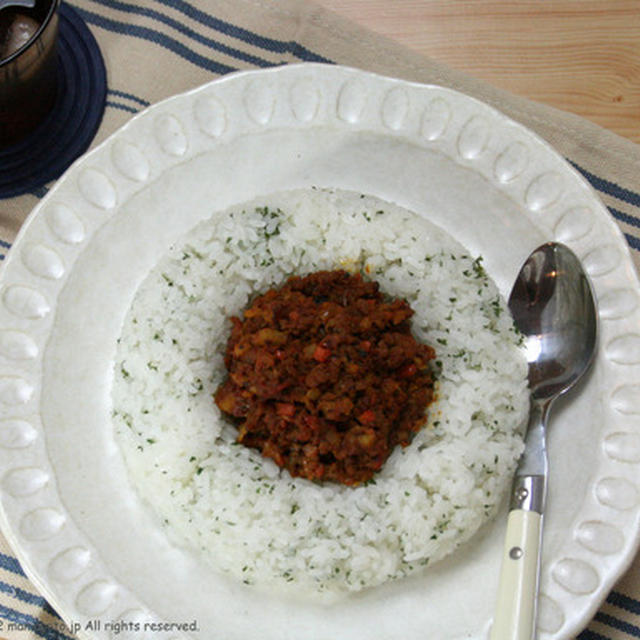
(553, 307)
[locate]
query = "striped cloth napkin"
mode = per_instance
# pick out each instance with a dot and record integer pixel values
(156, 48)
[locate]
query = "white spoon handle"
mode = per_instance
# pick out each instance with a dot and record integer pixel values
(515, 614)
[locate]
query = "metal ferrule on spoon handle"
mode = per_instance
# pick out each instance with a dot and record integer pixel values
(516, 604)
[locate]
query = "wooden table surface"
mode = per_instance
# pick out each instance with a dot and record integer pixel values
(581, 56)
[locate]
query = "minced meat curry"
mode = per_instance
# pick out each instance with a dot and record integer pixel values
(325, 377)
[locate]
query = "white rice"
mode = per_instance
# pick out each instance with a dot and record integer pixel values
(243, 514)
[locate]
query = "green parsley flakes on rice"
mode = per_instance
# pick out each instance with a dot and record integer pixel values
(242, 513)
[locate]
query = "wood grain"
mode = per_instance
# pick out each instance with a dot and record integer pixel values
(582, 56)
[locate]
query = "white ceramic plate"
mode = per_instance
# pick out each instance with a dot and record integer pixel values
(67, 508)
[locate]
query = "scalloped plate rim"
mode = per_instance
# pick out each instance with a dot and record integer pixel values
(23, 234)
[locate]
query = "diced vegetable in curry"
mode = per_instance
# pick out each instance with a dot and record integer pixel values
(325, 377)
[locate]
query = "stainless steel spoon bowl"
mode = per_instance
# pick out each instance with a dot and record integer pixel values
(553, 307)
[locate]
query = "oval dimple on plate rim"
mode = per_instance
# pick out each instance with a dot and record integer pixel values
(355, 95)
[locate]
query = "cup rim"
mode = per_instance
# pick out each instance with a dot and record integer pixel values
(45, 23)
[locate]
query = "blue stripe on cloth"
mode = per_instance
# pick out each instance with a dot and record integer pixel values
(620, 625)
(122, 107)
(40, 192)
(9, 563)
(24, 621)
(587, 634)
(621, 601)
(156, 37)
(625, 217)
(5, 244)
(128, 96)
(22, 595)
(268, 44)
(181, 28)
(633, 242)
(608, 187)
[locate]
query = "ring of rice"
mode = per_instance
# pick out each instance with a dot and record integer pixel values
(238, 510)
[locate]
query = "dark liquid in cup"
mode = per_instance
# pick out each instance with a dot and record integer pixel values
(28, 68)
(16, 29)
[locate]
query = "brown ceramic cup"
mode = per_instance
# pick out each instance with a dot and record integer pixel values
(28, 68)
